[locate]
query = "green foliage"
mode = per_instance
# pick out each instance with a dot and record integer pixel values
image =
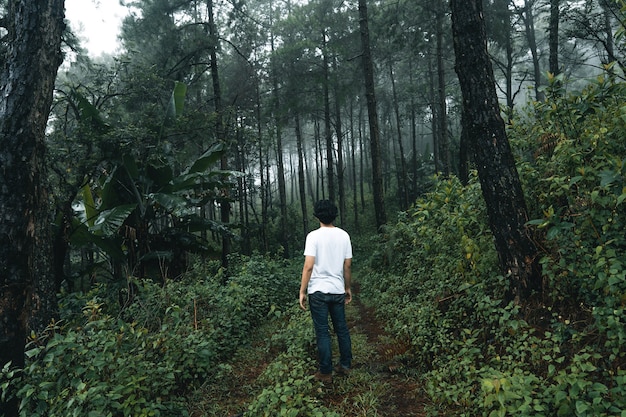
(141, 357)
(107, 367)
(289, 387)
(440, 256)
(561, 355)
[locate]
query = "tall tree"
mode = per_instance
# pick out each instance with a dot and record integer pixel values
(497, 171)
(33, 56)
(528, 16)
(372, 112)
(554, 36)
(499, 26)
(442, 119)
(280, 166)
(219, 126)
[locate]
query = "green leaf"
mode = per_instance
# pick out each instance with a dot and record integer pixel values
(608, 177)
(90, 206)
(212, 155)
(109, 221)
(161, 175)
(170, 202)
(177, 101)
(581, 407)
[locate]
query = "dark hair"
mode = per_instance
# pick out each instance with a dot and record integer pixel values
(325, 211)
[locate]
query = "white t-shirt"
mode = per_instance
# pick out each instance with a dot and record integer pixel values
(330, 246)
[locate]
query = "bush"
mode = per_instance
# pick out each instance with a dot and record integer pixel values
(556, 355)
(141, 357)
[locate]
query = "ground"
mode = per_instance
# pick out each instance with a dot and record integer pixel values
(404, 396)
(381, 384)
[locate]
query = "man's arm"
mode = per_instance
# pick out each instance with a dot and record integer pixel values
(347, 278)
(307, 269)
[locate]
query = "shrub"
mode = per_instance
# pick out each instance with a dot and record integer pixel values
(141, 358)
(558, 355)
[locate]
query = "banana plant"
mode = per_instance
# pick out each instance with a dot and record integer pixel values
(144, 218)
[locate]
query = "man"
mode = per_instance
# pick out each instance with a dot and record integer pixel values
(326, 276)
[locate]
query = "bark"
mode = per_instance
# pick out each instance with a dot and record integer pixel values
(219, 129)
(361, 160)
(497, 172)
(413, 193)
(464, 153)
(340, 163)
(355, 202)
(368, 73)
(441, 93)
(434, 109)
(282, 189)
(608, 43)
(27, 297)
(403, 182)
(529, 24)
(301, 178)
(554, 37)
(262, 184)
(327, 124)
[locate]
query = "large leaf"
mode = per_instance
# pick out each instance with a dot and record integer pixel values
(161, 175)
(204, 181)
(177, 101)
(170, 202)
(109, 221)
(204, 162)
(81, 236)
(90, 206)
(131, 166)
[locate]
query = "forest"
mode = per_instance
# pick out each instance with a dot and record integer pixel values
(154, 205)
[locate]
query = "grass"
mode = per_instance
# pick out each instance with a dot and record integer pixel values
(282, 354)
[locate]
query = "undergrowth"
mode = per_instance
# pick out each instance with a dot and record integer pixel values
(559, 353)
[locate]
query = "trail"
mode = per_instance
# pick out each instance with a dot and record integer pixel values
(381, 384)
(404, 396)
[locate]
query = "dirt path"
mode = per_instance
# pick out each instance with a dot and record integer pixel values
(405, 397)
(380, 385)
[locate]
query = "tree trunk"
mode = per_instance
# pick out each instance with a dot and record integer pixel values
(355, 201)
(362, 159)
(403, 181)
(498, 175)
(340, 164)
(529, 24)
(328, 135)
(413, 193)
(434, 109)
(464, 153)
(263, 182)
(368, 72)
(219, 129)
(27, 288)
(441, 93)
(301, 178)
(609, 37)
(554, 37)
(278, 120)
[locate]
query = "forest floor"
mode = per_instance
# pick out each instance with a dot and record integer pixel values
(381, 384)
(403, 396)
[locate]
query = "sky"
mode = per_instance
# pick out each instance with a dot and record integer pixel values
(96, 22)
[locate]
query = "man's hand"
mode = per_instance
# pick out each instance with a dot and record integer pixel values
(303, 301)
(348, 296)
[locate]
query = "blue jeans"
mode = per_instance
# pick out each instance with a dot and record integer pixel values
(321, 306)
